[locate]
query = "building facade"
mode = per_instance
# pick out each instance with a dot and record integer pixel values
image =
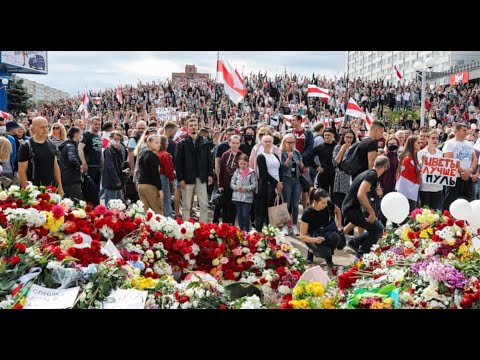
(189, 74)
(375, 65)
(42, 92)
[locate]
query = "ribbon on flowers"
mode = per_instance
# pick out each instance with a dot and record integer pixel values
(24, 279)
(387, 291)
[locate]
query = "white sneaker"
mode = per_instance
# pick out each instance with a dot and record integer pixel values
(285, 230)
(295, 231)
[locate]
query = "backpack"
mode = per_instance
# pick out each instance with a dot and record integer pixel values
(351, 164)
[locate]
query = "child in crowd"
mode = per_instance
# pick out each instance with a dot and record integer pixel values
(243, 184)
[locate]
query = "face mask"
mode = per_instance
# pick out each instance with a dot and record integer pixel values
(249, 137)
(3, 129)
(392, 147)
(114, 142)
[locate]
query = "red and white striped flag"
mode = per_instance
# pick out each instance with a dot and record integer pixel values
(231, 80)
(397, 72)
(315, 91)
(119, 94)
(354, 110)
(339, 120)
(97, 100)
(84, 105)
(368, 120)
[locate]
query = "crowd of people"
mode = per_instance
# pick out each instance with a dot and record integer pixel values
(176, 144)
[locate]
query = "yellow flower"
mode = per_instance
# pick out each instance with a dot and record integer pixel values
(285, 247)
(299, 304)
(213, 271)
(318, 291)
(298, 290)
(328, 304)
(278, 254)
(421, 218)
(3, 232)
(450, 242)
(142, 283)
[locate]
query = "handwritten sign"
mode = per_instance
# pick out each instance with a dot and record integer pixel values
(439, 171)
(40, 297)
(126, 299)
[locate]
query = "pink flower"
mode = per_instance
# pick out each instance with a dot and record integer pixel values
(224, 260)
(249, 256)
(58, 211)
(100, 210)
(121, 215)
(237, 251)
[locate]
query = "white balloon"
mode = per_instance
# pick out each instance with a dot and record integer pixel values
(473, 126)
(461, 209)
(395, 207)
(475, 218)
(432, 122)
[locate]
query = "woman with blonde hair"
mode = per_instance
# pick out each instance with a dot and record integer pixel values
(149, 183)
(258, 148)
(291, 161)
(58, 134)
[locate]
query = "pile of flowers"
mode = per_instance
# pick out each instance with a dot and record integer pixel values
(429, 262)
(71, 246)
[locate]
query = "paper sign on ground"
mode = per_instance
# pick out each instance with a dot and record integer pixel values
(40, 297)
(126, 299)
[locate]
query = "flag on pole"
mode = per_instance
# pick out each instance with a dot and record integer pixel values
(354, 110)
(397, 72)
(84, 105)
(119, 94)
(368, 120)
(315, 91)
(231, 80)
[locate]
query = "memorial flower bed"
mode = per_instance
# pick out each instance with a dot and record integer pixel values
(49, 242)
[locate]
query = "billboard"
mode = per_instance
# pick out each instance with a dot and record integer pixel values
(25, 61)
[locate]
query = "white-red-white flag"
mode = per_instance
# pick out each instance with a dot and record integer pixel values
(84, 105)
(397, 72)
(339, 120)
(368, 120)
(231, 80)
(315, 91)
(97, 100)
(354, 110)
(119, 94)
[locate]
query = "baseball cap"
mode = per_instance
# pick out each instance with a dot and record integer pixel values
(12, 125)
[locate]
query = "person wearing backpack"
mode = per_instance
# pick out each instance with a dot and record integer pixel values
(361, 157)
(37, 161)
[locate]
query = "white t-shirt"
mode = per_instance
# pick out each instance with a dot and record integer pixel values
(273, 165)
(429, 187)
(462, 151)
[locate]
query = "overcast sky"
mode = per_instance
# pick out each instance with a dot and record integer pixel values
(75, 71)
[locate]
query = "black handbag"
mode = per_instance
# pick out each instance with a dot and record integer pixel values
(306, 181)
(89, 189)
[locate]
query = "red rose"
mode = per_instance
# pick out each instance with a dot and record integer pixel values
(14, 260)
(450, 222)
(20, 247)
(183, 299)
(17, 307)
(411, 235)
(100, 210)
(183, 230)
(460, 223)
(222, 307)
(72, 251)
(120, 262)
(446, 213)
(57, 211)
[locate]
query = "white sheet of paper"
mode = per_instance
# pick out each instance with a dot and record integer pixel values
(40, 297)
(126, 299)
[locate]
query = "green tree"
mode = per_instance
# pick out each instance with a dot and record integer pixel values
(18, 97)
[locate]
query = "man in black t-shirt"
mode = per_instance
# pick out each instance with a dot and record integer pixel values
(368, 147)
(37, 160)
(90, 153)
(358, 198)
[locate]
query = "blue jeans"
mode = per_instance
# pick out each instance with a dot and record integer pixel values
(167, 197)
(243, 215)
(112, 194)
(373, 231)
(476, 190)
(292, 190)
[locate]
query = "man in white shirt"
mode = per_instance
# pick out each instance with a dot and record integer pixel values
(458, 148)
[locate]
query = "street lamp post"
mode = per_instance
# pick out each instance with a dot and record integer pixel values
(3, 95)
(419, 66)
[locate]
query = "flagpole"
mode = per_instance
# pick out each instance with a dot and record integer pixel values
(215, 88)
